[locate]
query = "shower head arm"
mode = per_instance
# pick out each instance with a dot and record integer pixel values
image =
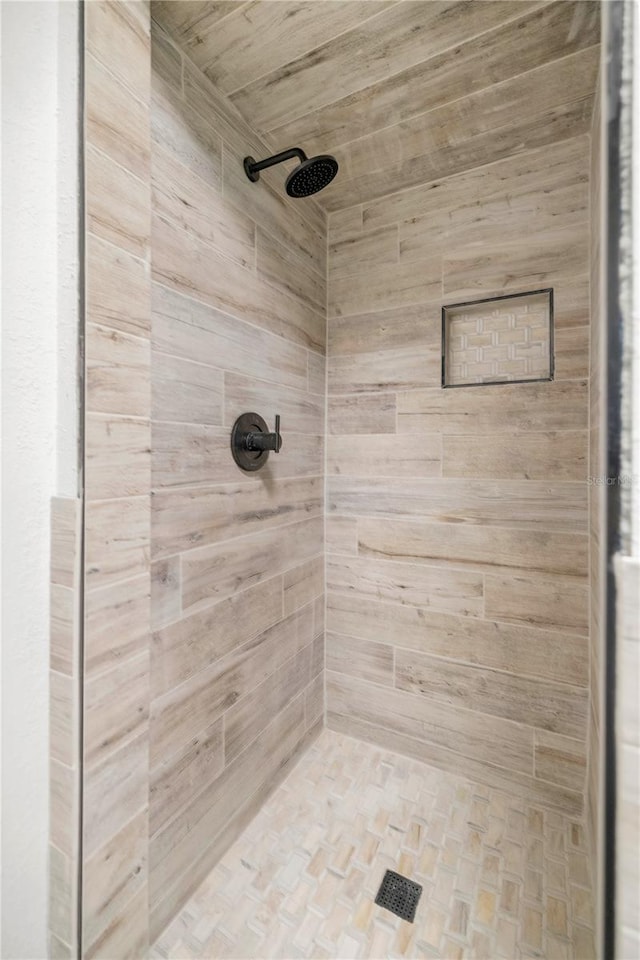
(253, 167)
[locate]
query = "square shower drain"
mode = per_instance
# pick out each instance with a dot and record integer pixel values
(399, 895)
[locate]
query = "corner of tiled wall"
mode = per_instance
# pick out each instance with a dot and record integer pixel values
(64, 726)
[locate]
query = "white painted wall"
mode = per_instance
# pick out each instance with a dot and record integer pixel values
(40, 58)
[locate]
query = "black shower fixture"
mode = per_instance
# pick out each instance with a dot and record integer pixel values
(251, 441)
(311, 175)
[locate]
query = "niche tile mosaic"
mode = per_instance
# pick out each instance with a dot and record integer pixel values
(501, 340)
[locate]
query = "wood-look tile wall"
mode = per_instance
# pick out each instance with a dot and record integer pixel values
(597, 534)
(117, 480)
(238, 324)
(457, 528)
(64, 726)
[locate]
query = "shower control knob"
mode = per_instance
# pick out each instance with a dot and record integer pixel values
(251, 441)
(265, 441)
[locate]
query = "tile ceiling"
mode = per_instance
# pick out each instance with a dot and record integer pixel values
(402, 93)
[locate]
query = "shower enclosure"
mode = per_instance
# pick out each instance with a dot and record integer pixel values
(412, 567)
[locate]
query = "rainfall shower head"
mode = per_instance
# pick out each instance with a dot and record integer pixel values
(311, 175)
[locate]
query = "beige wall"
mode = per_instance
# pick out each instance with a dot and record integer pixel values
(238, 324)
(457, 531)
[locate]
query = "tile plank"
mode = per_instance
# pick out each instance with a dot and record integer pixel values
(498, 409)
(118, 457)
(115, 790)
(560, 759)
(300, 412)
(116, 623)
(541, 34)
(303, 584)
(532, 456)
(117, 288)
(192, 643)
(364, 659)
(469, 545)
(560, 708)
(510, 647)
(185, 392)
(198, 205)
(443, 588)
(193, 331)
(383, 287)
(566, 802)
(384, 455)
(117, 203)
(417, 326)
(195, 517)
(554, 604)
(114, 877)
(362, 413)
(403, 368)
(117, 372)
(116, 122)
(116, 707)
(174, 852)
(245, 720)
(476, 735)
(178, 776)
(394, 40)
(212, 573)
(527, 132)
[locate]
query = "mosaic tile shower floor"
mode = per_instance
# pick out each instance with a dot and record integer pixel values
(501, 878)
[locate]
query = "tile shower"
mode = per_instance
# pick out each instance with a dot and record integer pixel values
(230, 734)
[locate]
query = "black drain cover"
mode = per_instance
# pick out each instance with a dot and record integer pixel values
(399, 895)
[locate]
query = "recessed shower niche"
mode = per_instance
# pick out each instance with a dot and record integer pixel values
(498, 340)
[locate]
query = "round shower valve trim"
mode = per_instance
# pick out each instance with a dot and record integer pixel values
(251, 441)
